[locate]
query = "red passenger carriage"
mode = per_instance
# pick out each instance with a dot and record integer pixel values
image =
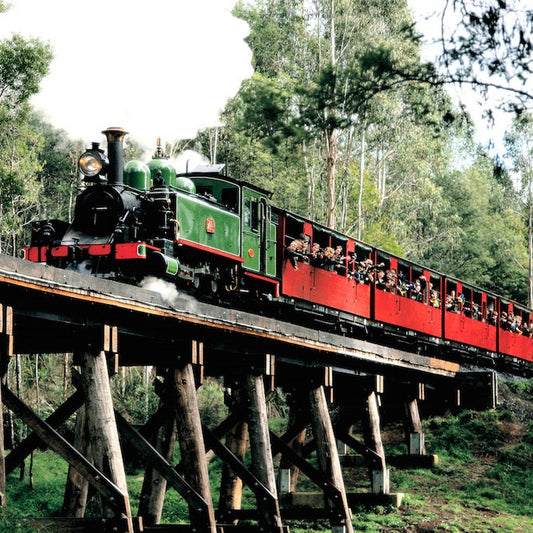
(422, 301)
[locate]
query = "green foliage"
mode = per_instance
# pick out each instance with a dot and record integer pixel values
(45, 499)
(211, 402)
(58, 175)
(134, 395)
(278, 35)
(20, 189)
(486, 244)
(523, 387)
(23, 64)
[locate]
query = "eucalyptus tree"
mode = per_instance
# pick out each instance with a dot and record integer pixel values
(364, 49)
(519, 144)
(260, 139)
(319, 68)
(23, 64)
(57, 176)
(405, 154)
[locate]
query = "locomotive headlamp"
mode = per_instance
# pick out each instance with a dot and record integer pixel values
(93, 162)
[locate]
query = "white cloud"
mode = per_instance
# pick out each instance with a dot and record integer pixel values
(163, 69)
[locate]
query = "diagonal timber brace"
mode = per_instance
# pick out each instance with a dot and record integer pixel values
(32, 441)
(255, 485)
(373, 458)
(58, 444)
(154, 459)
(280, 446)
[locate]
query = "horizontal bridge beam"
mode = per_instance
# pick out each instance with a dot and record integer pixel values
(45, 299)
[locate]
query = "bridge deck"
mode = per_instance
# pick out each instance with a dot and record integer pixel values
(61, 311)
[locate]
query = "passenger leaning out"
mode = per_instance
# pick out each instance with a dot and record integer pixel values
(434, 301)
(296, 250)
(381, 280)
(367, 271)
(339, 260)
(390, 280)
(316, 255)
(352, 266)
(329, 260)
(357, 271)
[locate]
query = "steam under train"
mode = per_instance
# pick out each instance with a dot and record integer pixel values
(221, 237)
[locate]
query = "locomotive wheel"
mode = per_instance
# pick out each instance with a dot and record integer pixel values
(213, 285)
(196, 282)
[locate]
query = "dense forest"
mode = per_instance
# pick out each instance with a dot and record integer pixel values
(345, 123)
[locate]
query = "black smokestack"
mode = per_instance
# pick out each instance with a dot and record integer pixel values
(115, 152)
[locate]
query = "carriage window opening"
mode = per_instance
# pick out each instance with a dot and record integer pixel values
(338, 258)
(246, 216)
(491, 313)
(513, 318)
(434, 291)
(384, 277)
(362, 252)
(230, 198)
(255, 214)
(452, 300)
(519, 322)
(321, 236)
(403, 278)
(293, 229)
(477, 306)
(419, 286)
(505, 311)
(468, 302)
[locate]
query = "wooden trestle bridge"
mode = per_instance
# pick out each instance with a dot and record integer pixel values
(107, 325)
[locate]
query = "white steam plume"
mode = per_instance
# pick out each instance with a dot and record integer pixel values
(170, 293)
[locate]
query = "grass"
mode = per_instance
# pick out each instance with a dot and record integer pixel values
(482, 484)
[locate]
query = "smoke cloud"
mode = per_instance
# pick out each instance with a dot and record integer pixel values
(170, 294)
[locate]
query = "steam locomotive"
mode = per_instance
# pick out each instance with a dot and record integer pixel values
(222, 237)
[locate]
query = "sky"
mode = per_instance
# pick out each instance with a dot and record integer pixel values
(158, 69)
(427, 15)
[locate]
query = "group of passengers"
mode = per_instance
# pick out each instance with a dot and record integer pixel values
(461, 305)
(508, 321)
(514, 324)
(365, 271)
(362, 271)
(331, 259)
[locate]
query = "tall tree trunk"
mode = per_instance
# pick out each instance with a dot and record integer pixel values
(146, 382)
(530, 246)
(332, 145)
(65, 374)
(37, 389)
(361, 184)
(332, 151)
